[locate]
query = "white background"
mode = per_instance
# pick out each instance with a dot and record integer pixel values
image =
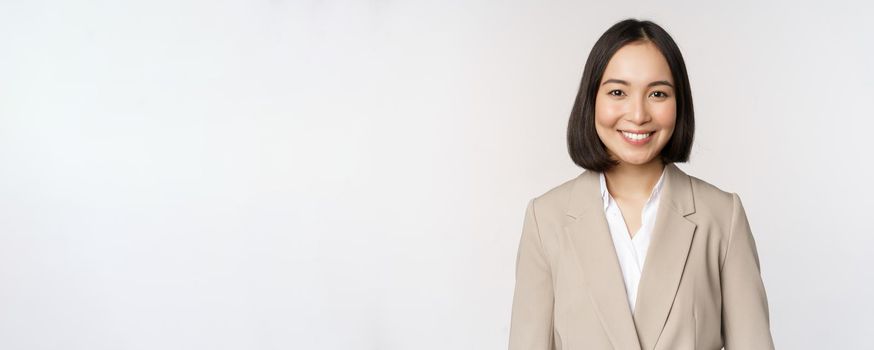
(353, 174)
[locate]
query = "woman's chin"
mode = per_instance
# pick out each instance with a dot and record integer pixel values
(636, 160)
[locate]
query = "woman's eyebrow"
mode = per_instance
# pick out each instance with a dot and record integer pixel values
(623, 82)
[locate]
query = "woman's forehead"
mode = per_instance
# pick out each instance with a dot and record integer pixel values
(638, 63)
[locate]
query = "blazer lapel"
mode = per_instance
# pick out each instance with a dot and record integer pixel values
(666, 257)
(593, 245)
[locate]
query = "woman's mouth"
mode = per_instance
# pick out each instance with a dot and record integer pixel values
(637, 137)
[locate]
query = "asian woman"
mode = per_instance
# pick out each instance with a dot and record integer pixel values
(634, 253)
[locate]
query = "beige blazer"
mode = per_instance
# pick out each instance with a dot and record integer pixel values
(700, 289)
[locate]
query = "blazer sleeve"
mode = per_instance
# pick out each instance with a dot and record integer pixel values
(531, 326)
(745, 319)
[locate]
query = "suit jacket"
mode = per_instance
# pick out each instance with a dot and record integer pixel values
(700, 289)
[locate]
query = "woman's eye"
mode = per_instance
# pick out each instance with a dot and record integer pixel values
(616, 93)
(659, 94)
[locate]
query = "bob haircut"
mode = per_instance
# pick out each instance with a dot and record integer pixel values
(585, 147)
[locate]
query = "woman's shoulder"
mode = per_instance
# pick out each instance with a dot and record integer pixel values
(707, 193)
(553, 202)
(713, 202)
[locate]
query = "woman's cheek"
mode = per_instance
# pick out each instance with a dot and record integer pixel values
(612, 109)
(664, 111)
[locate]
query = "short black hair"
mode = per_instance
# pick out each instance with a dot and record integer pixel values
(585, 147)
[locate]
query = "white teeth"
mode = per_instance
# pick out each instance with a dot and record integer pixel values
(636, 137)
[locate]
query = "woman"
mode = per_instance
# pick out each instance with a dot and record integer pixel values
(634, 253)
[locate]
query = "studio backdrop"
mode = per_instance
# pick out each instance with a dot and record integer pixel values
(311, 174)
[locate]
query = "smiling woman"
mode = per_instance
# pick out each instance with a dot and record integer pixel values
(636, 116)
(634, 253)
(639, 70)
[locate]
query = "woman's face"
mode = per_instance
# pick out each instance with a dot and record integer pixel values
(635, 107)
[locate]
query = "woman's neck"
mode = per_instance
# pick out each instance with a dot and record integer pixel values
(634, 182)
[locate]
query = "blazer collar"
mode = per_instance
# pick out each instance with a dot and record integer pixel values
(589, 182)
(589, 234)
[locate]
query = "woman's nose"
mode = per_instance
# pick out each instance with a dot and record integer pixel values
(638, 113)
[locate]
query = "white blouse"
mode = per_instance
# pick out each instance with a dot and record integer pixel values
(631, 251)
